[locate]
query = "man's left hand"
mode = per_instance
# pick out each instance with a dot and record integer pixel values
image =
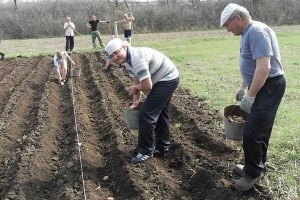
(247, 102)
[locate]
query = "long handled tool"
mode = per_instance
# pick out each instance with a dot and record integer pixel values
(77, 32)
(110, 31)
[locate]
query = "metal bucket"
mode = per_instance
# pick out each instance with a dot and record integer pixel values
(132, 117)
(75, 72)
(234, 120)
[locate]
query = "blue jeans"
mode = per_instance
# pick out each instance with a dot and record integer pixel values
(259, 124)
(154, 117)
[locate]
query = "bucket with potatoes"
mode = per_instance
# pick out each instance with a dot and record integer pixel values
(234, 120)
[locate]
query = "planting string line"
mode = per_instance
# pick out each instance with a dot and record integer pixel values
(77, 135)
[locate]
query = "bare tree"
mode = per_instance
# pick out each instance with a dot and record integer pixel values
(254, 2)
(16, 7)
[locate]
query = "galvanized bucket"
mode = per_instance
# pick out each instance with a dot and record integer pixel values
(234, 120)
(75, 72)
(132, 117)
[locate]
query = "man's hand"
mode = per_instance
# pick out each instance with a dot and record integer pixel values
(240, 93)
(133, 90)
(247, 103)
(133, 106)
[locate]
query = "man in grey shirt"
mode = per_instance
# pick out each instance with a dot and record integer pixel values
(261, 91)
(154, 72)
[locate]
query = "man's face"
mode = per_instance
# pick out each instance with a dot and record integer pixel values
(59, 55)
(232, 25)
(119, 56)
(93, 17)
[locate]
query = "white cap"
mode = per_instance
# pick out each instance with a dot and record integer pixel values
(113, 45)
(229, 10)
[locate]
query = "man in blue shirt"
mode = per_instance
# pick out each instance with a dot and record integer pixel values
(261, 91)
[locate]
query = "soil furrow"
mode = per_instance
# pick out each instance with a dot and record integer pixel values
(65, 179)
(199, 139)
(92, 118)
(117, 79)
(109, 132)
(7, 67)
(22, 122)
(39, 148)
(13, 80)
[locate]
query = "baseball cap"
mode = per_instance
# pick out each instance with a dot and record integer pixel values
(229, 10)
(113, 45)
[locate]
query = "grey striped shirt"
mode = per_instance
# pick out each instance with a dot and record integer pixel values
(145, 63)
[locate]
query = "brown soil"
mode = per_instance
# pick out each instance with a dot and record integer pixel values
(39, 146)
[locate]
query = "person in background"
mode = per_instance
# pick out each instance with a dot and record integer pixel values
(261, 91)
(127, 25)
(2, 56)
(61, 66)
(154, 72)
(93, 25)
(69, 33)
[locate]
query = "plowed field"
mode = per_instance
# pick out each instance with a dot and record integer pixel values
(51, 136)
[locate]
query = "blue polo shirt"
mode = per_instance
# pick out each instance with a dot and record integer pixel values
(259, 41)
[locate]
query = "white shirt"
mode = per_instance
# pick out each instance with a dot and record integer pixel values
(69, 28)
(61, 61)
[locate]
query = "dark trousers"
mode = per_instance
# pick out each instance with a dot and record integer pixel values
(127, 33)
(259, 124)
(69, 43)
(154, 117)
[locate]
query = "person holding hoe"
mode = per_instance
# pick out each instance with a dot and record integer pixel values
(127, 25)
(262, 89)
(154, 72)
(60, 65)
(93, 25)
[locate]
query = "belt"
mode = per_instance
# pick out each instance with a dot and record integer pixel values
(273, 79)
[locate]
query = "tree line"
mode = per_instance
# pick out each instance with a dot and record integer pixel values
(45, 18)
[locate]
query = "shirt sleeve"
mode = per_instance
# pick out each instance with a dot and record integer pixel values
(67, 56)
(261, 45)
(65, 25)
(141, 67)
(55, 60)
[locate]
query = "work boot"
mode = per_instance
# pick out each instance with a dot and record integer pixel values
(239, 170)
(246, 182)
